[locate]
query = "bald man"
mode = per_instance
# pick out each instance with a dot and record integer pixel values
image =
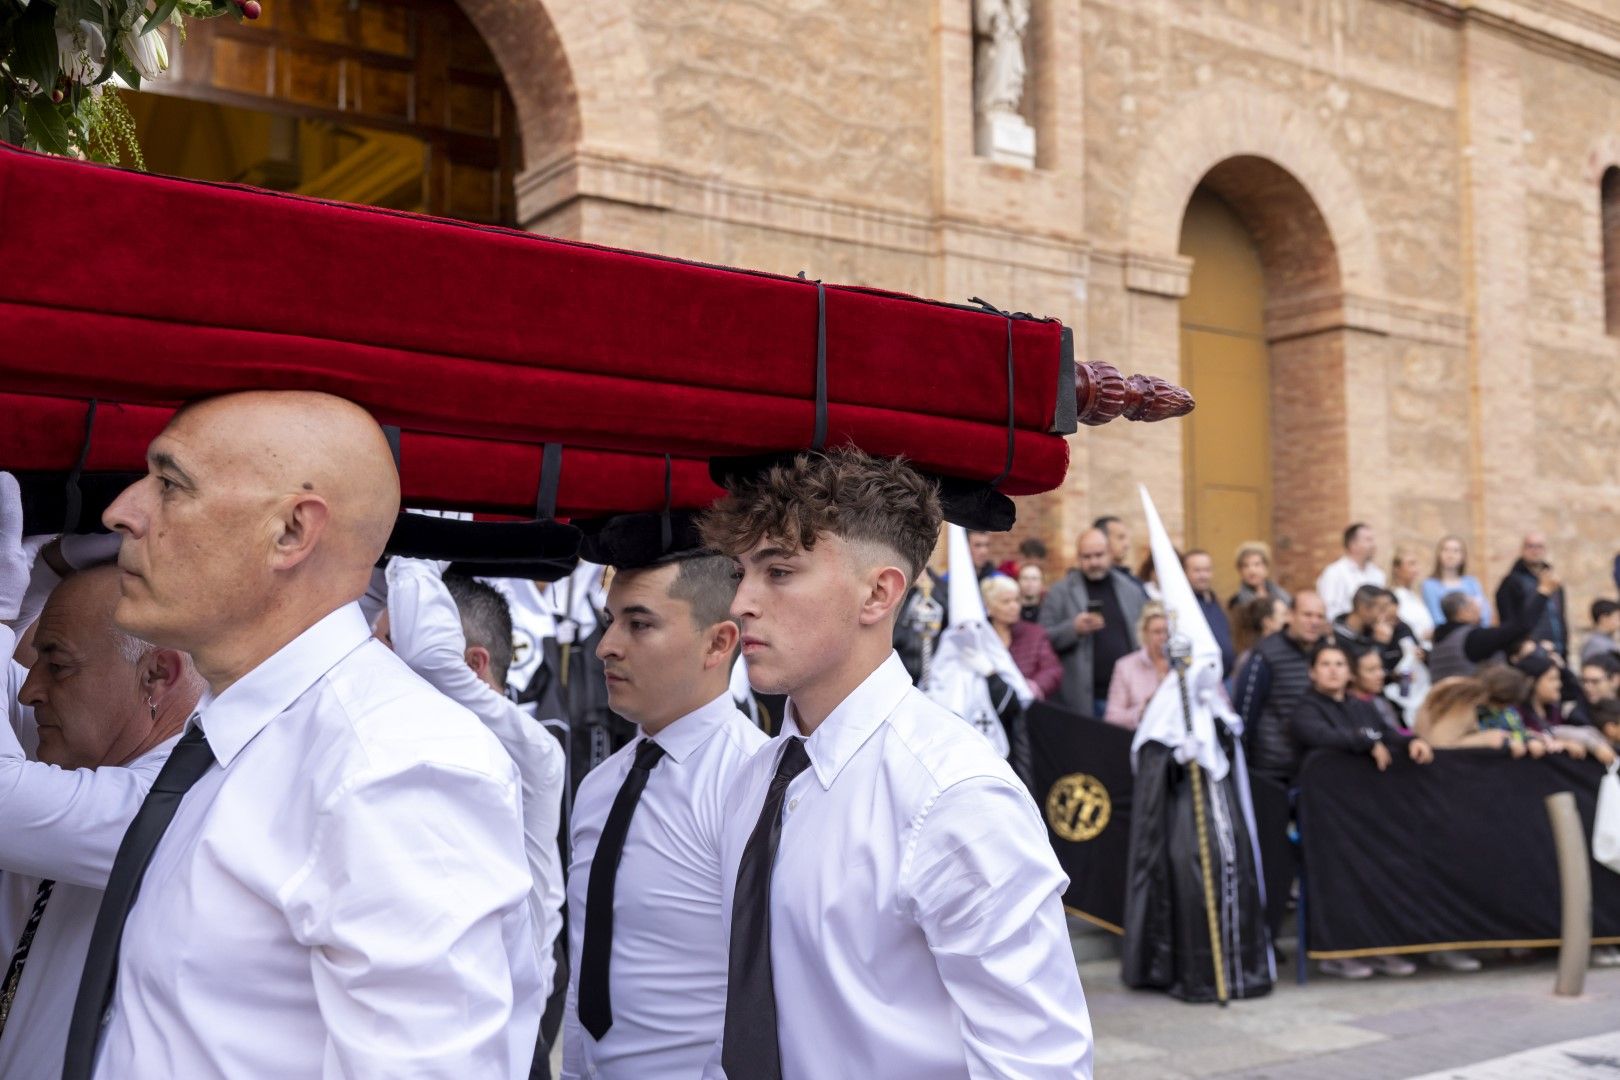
(1090, 617)
(328, 879)
(107, 709)
(1517, 592)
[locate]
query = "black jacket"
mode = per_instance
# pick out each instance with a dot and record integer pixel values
(1514, 595)
(1460, 648)
(1276, 676)
(1320, 723)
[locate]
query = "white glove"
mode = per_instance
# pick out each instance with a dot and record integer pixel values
(15, 560)
(975, 659)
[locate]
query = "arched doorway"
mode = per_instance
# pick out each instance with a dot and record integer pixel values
(1226, 365)
(395, 103)
(1263, 351)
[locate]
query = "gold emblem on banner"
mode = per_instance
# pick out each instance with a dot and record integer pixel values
(1078, 807)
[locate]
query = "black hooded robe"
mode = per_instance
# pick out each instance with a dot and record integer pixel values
(1166, 925)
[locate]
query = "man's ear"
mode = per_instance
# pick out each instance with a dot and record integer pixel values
(478, 660)
(161, 670)
(886, 588)
(298, 529)
(722, 643)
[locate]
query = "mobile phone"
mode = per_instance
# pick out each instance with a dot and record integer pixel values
(1094, 606)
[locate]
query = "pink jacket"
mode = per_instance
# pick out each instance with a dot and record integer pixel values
(1129, 689)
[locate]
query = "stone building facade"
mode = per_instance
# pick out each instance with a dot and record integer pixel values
(1420, 180)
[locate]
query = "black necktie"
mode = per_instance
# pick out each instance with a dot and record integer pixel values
(8, 989)
(187, 762)
(595, 1006)
(749, 1050)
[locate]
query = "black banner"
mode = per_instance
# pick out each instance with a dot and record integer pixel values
(1082, 770)
(1456, 854)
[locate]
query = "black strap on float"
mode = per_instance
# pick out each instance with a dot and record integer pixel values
(545, 503)
(75, 497)
(1006, 468)
(818, 440)
(666, 528)
(391, 433)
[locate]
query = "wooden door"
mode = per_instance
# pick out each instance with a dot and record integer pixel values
(387, 102)
(1224, 362)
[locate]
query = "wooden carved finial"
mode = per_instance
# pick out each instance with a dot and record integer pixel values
(1102, 394)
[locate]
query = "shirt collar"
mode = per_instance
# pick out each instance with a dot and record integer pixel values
(847, 727)
(683, 737)
(235, 717)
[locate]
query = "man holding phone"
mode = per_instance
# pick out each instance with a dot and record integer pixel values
(1520, 586)
(1090, 617)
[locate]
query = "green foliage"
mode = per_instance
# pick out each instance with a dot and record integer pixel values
(34, 56)
(58, 59)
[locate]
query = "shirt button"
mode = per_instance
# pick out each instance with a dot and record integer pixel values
(793, 805)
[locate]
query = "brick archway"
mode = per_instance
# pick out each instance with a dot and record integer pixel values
(1227, 121)
(1273, 165)
(577, 72)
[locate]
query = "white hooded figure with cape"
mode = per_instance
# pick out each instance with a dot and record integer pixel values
(1194, 897)
(971, 672)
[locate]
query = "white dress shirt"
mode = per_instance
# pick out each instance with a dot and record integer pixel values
(1339, 581)
(667, 970)
(425, 627)
(917, 927)
(343, 894)
(64, 825)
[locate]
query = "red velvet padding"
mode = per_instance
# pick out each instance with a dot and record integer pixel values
(83, 238)
(436, 471)
(80, 354)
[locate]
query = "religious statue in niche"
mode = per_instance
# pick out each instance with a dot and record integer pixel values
(1000, 131)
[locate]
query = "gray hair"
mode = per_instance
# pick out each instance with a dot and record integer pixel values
(486, 621)
(130, 647)
(995, 583)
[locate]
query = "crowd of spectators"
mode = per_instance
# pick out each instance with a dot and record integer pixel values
(1418, 660)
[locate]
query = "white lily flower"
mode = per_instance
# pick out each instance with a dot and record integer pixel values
(147, 53)
(83, 51)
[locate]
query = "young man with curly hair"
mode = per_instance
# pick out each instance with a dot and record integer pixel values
(893, 905)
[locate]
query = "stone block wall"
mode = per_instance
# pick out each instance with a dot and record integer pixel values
(1440, 362)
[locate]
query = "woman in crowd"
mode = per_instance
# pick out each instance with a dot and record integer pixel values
(1260, 617)
(1451, 575)
(1148, 575)
(1450, 714)
(1543, 708)
(1410, 607)
(1541, 705)
(1506, 691)
(1026, 641)
(1254, 574)
(1138, 675)
(1328, 717)
(1031, 591)
(1367, 686)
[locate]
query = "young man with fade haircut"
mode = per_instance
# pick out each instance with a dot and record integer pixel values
(894, 907)
(648, 991)
(328, 876)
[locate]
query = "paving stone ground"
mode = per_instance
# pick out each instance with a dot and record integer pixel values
(1502, 1023)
